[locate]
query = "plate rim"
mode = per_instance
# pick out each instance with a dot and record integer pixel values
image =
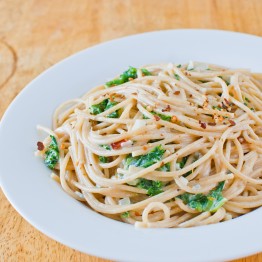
(42, 74)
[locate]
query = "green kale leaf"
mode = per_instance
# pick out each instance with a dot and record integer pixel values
(210, 202)
(125, 214)
(107, 147)
(131, 73)
(165, 167)
(103, 106)
(52, 154)
(163, 117)
(154, 156)
(103, 159)
(153, 187)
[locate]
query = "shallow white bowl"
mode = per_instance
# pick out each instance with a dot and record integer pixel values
(26, 181)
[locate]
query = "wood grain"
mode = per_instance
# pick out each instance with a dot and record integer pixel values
(35, 34)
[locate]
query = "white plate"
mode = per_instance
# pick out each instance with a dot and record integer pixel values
(26, 181)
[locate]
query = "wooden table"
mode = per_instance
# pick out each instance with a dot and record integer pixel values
(35, 34)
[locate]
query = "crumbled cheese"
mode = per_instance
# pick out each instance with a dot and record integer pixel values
(196, 187)
(201, 66)
(133, 182)
(79, 194)
(128, 143)
(178, 166)
(132, 170)
(55, 177)
(124, 201)
(138, 124)
(190, 65)
(135, 169)
(197, 66)
(183, 180)
(170, 66)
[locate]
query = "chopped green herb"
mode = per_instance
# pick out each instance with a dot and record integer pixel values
(165, 167)
(154, 140)
(114, 114)
(182, 165)
(179, 66)
(163, 117)
(183, 162)
(210, 202)
(107, 147)
(245, 104)
(153, 187)
(131, 73)
(247, 99)
(187, 173)
(228, 83)
(52, 154)
(177, 77)
(217, 107)
(145, 72)
(103, 159)
(103, 106)
(154, 156)
(125, 214)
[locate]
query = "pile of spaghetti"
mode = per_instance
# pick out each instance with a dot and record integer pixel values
(162, 146)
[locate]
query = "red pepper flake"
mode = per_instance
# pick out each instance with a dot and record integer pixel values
(227, 102)
(190, 95)
(211, 124)
(144, 148)
(111, 97)
(241, 139)
(203, 125)
(117, 145)
(205, 104)
(40, 146)
(137, 213)
(173, 119)
(167, 109)
(232, 123)
(157, 118)
(224, 106)
(177, 93)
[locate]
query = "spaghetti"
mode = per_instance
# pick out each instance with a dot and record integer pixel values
(162, 146)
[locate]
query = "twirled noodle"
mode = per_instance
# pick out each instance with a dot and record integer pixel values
(162, 146)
